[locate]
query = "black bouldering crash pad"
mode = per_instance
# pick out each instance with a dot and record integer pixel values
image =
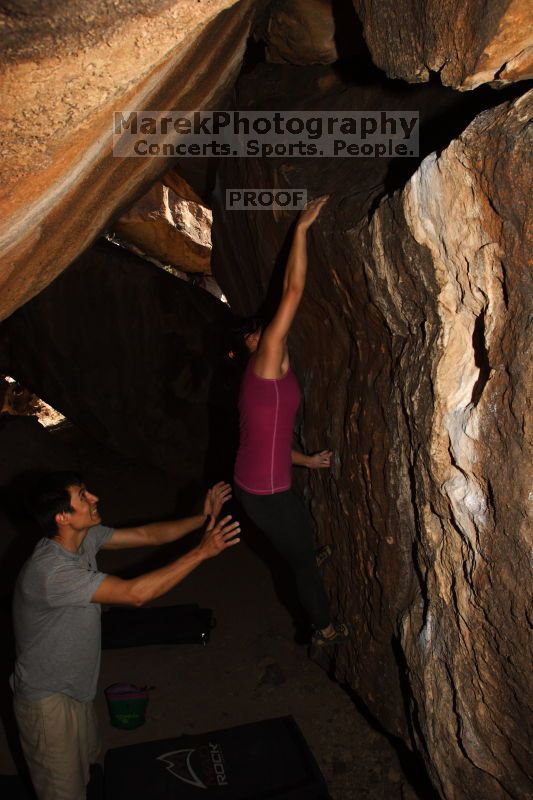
(260, 761)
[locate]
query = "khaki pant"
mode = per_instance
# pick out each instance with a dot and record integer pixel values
(60, 739)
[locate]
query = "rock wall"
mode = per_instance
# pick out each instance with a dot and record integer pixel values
(340, 348)
(445, 265)
(411, 349)
(127, 352)
(66, 68)
(466, 43)
(309, 31)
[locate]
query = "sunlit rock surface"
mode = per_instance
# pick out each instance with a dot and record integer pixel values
(445, 264)
(467, 43)
(127, 352)
(180, 187)
(65, 68)
(411, 347)
(174, 230)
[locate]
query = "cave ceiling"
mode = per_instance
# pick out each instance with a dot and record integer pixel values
(65, 69)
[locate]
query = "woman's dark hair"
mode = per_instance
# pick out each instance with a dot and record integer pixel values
(50, 497)
(244, 326)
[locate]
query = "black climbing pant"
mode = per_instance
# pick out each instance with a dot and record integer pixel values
(285, 521)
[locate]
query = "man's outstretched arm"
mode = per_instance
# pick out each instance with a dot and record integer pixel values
(140, 590)
(156, 533)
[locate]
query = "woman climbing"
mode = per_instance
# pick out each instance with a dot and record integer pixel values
(268, 402)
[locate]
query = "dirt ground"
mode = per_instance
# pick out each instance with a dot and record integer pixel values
(252, 668)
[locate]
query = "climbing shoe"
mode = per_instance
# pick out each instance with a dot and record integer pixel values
(341, 633)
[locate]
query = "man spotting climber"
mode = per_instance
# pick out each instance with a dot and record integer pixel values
(56, 612)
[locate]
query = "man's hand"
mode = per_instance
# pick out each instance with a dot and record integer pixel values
(321, 460)
(215, 498)
(219, 536)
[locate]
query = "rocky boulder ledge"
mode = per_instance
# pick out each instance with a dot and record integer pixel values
(172, 229)
(66, 68)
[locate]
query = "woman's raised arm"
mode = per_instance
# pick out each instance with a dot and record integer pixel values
(272, 350)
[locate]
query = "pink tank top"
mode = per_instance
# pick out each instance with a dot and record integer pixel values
(267, 408)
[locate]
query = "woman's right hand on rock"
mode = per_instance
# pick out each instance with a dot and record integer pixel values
(311, 212)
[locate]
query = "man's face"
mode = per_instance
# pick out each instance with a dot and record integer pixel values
(85, 505)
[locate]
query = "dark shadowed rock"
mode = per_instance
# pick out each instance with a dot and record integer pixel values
(410, 346)
(309, 31)
(127, 352)
(466, 43)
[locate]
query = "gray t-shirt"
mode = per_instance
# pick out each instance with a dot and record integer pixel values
(57, 628)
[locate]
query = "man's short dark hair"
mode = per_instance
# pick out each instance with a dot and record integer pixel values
(50, 497)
